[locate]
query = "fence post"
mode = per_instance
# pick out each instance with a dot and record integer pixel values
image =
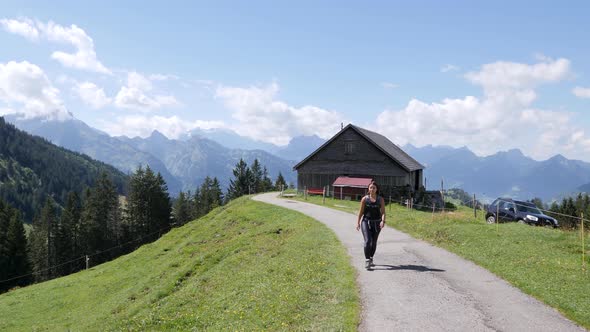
(389, 203)
(474, 208)
(87, 261)
(497, 216)
(583, 247)
(442, 193)
(324, 195)
(433, 205)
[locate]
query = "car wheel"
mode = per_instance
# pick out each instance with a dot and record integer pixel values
(520, 221)
(491, 220)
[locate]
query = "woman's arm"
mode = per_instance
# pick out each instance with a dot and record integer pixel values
(382, 212)
(361, 212)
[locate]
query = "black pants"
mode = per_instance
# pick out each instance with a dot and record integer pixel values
(371, 231)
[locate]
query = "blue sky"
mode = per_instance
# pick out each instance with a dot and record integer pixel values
(490, 76)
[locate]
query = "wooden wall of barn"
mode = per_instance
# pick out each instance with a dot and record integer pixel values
(352, 155)
(364, 158)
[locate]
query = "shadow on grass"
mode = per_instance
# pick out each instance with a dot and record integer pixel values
(417, 268)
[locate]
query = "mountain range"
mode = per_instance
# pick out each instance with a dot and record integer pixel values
(186, 161)
(505, 173)
(183, 163)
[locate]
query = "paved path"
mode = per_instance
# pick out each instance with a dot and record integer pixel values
(418, 287)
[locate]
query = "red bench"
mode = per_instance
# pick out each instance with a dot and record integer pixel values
(315, 191)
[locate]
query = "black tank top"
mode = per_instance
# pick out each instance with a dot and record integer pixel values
(372, 209)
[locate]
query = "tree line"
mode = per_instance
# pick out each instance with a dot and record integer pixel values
(571, 209)
(98, 225)
(32, 168)
(246, 180)
(93, 227)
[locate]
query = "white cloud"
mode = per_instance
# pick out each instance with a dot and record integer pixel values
(25, 27)
(388, 85)
(65, 79)
(262, 117)
(136, 95)
(5, 111)
(510, 75)
(85, 56)
(25, 89)
(581, 92)
(162, 77)
(91, 94)
(172, 127)
(448, 67)
(501, 119)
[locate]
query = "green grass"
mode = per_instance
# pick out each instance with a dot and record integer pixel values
(246, 266)
(545, 263)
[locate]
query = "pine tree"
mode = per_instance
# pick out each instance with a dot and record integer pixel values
(148, 205)
(85, 224)
(206, 199)
(216, 194)
(162, 207)
(196, 205)
(538, 202)
(256, 177)
(68, 235)
(181, 209)
(102, 218)
(14, 262)
(280, 182)
(17, 252)
(266, 181)
(137, 201)
(42, 242)
(240, 184)
(554, 207)
(568, 208)
(5, 216)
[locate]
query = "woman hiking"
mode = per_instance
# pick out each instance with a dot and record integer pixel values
(371, 220)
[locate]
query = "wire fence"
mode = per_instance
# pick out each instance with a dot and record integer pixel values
(473, 203)
(85, 258)
(408, 203)
(510, 209)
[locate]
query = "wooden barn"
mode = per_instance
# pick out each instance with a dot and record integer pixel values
(355, 152)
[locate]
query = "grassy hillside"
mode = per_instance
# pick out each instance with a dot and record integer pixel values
(545, 263)
(246, 266)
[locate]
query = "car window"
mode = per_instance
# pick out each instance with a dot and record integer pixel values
(505, 205)
(529, 209)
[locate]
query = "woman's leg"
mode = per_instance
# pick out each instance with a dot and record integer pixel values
(375, 230)
(368, 236)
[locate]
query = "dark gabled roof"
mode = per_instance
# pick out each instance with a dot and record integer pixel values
(381, 142)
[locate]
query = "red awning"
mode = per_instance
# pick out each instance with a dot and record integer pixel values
(345, 181)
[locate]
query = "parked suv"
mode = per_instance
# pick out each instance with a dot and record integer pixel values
(519, 211)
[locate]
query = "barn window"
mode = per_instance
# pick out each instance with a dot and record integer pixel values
(349, 147)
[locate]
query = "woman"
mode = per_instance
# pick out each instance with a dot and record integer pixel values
(372, 214)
